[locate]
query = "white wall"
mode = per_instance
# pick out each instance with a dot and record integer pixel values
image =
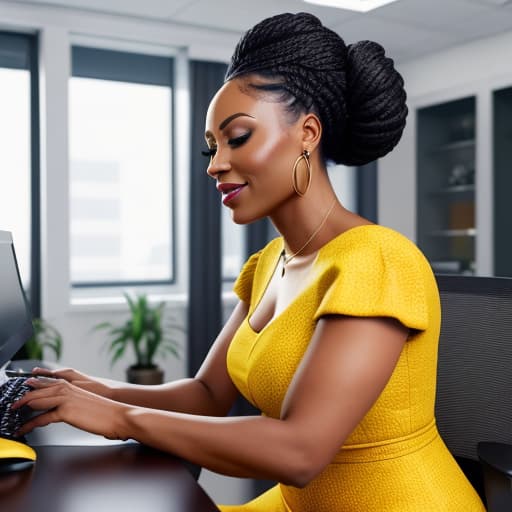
(476, 69)
(76, 315)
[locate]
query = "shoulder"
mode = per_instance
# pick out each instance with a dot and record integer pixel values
(257, 265)
(373, 270)
(373, 245)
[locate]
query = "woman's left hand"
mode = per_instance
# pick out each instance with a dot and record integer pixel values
(62, 401)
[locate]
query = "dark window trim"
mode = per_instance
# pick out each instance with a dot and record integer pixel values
(20, 51)
(132, 67)
(367, 191)
(35, 267)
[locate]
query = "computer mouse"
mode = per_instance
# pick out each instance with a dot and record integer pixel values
(15, 455)
(14, 452)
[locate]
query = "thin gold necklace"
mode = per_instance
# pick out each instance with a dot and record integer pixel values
(287, 259)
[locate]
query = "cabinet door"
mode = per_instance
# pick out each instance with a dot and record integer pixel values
(446, 185)
(502, 157)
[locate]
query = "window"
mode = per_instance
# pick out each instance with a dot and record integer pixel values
(233, 246)
(121, 206)
(19, 165)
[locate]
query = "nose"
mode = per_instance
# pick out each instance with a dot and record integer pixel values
(219, 163)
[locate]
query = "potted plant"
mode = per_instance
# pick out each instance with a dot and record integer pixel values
(45, 337)
(144, 332)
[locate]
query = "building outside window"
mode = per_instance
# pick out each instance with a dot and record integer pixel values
(121, 193)
(19, 165)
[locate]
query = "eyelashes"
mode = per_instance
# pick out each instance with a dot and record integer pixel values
(238, 141)
(234, 143)
(209, 152)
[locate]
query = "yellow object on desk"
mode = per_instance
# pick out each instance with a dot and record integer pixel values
(10, 449)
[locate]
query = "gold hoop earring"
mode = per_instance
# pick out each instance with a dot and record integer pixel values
(304, 156)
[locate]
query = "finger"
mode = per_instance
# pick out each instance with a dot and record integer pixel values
(66, 373)
(44, 403)
(39, 421)
(62, 373)
(43, 382)
(39, 390)
(41, 371)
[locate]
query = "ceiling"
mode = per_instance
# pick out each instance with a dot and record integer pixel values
(406, 28)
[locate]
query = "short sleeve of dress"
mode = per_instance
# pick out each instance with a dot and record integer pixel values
(381, 276)
(243, 284)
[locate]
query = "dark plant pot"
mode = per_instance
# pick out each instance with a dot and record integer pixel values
(145, 375)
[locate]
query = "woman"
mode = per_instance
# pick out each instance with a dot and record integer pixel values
(335, 335)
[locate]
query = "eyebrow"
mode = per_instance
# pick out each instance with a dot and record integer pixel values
(231, 117)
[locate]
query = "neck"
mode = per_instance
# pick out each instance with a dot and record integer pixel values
(287, 258)
(297, 219)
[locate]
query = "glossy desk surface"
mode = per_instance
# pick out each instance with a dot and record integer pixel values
(99, 478)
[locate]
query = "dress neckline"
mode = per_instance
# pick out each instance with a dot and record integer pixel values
(274, 269)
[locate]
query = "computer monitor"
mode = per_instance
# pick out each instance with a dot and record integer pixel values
(15, 316)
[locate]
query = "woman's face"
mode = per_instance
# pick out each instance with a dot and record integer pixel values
(253, 146)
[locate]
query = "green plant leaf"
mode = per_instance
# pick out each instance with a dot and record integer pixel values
(45, 337)
(143, 330)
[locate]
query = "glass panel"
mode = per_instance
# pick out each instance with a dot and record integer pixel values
(120, 182)
(446, 185)
(15, 181)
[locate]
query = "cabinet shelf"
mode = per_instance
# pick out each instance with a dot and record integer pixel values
(456, 145)
(454, 232)
(446, 193)
(455, 189)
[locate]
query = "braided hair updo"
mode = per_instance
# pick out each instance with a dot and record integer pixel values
(355, 90)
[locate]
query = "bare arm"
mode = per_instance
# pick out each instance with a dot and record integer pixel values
(345, 368)
(210, 392)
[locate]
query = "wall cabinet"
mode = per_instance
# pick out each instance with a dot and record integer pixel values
(502, 182)
(446, 228)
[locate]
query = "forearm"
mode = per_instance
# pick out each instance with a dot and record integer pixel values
(253, 446)
(190, 396)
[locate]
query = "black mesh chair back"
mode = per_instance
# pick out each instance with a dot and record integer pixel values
(474, 382)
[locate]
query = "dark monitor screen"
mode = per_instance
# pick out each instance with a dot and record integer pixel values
(15, 316)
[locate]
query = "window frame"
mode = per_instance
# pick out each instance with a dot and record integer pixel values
(98, 65)
(24, 54)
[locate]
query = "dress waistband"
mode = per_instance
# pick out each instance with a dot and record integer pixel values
(389, 448)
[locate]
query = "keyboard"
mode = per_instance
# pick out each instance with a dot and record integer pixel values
(11, 420)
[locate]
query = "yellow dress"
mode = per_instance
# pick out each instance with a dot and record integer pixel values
(394, 460)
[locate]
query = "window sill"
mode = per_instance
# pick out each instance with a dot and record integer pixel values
(118, 302)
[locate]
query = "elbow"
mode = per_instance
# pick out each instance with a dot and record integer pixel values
(306, 467)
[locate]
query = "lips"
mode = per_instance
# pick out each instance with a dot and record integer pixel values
(230, 190)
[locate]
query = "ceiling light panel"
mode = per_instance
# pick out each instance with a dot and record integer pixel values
(352, 5)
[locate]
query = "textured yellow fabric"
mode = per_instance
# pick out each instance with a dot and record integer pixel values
(394, 460)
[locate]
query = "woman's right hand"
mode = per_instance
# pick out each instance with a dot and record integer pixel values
(81, 380)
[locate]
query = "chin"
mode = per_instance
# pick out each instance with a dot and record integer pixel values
(242, 218)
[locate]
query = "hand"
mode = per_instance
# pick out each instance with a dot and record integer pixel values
(63, 401)
(78, 379)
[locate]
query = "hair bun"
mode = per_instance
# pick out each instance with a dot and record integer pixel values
(355, 90)
(376, 104)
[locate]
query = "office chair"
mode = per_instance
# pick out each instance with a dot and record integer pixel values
(474, 382)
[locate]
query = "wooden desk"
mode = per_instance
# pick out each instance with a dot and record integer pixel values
(115, 478)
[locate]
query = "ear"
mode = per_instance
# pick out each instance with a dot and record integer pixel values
(311, 131)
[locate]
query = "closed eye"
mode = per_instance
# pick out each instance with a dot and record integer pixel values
(210, 152)
(238, 141)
